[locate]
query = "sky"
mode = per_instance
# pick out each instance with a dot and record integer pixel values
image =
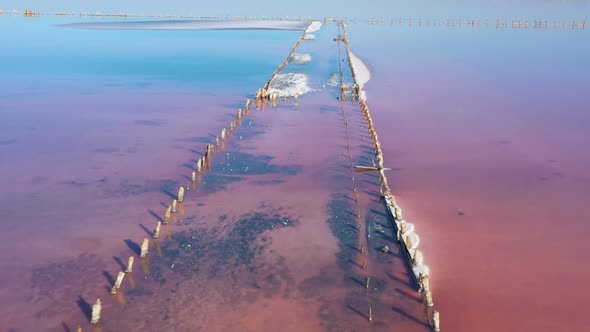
(318, 8)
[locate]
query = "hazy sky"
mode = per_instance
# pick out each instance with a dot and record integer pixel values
(317, 8)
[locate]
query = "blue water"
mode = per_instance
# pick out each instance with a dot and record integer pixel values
(38, 51)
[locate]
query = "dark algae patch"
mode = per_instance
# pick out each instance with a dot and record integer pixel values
(231, 167)
(240, 163)
(222, 248)
(214, 182)
(343, 225)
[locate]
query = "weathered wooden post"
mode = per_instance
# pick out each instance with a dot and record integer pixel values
(418, 259)
(436, 321)
(156, 232)
(428, 298)
(118, 282)
(167, 214)
(129, 268)
(96, 310)
(144, 247)
(181, 194)
(398, 213)
(403, 226)
(409, 243)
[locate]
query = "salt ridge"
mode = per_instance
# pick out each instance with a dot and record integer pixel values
(362, 72)
(300, 58)
(290, 84)
(314, 26)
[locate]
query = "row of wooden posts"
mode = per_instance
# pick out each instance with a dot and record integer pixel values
(499, 23)
(343, 91)
(203, 164)
(406, 236)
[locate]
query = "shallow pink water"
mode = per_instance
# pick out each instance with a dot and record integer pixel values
(96, 180)
(490, 145)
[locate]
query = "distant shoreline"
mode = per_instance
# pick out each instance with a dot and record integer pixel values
(192, 25)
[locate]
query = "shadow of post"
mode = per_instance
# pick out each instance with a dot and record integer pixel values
(85, 307)
(133, 246)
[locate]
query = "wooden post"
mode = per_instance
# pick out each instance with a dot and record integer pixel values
(436, 321)
(157, 230)
(367, 282)
(398, 213)
(418, 259)
(425, 283)
(194, 177)
(428, 298)
(118, 282)
(403, 226)
(181, 194)
(370, 314)
(96, 310)
(144, 247)
(167, 214)
(129, 268)
(409, 243)
(174, 206)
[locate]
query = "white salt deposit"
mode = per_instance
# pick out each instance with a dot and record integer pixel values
(313, 27)
(422, 268)
(290, 84)
(363, 75)
(333, 80)
(300, 58)
(413, 237)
